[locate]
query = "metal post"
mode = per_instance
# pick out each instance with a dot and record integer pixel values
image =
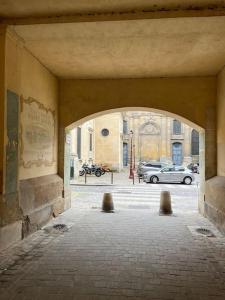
(85, 177)
(131, 154)
(134, 157)
(133, 178)
(139, 179)
(111, 177)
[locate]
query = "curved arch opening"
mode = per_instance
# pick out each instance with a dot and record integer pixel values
(175, 139)
(144, 109)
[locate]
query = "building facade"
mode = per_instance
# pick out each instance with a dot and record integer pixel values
(106, 140)
(160, 138)
(82, 147)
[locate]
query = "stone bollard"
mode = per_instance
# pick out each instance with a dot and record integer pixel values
(165, 203)
(107, 203)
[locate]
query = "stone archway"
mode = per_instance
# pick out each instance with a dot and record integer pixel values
(147, 129)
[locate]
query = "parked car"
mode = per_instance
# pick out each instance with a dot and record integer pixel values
(169, 174)
(144, 167)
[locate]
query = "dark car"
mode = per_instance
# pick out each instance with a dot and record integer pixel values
(194, 167)
(144, 167)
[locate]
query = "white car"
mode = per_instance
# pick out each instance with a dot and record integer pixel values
(169, 174)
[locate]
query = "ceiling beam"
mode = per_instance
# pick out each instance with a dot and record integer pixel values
(119, 16)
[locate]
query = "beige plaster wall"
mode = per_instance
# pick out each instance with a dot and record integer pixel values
(189, 97)
(221, 124)
(2, 102)
(27, 77)
(108, 148)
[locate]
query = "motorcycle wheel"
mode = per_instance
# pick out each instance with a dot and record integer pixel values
(81, 173)
(98, 173)
(103, 172)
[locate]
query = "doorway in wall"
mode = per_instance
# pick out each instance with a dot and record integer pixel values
(177, 153)
(125, 154)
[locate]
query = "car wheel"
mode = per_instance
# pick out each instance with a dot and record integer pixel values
(187, 180)
(154, 179)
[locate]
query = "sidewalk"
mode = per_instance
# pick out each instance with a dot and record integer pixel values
(119, 178)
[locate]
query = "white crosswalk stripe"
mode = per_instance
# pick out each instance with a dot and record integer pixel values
(140, 197)
(184, 198)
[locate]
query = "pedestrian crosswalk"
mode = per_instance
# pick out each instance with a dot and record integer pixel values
(148, 197)
(184, 197)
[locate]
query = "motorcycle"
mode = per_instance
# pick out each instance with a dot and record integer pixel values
(105, 169)
(93, 169)
(85, 169)
(96, 170)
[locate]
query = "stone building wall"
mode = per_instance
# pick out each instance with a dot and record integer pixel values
(87, 149)
(108, 140)
(153, 139)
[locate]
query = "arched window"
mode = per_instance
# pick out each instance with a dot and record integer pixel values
(176, 127)
(194, 142)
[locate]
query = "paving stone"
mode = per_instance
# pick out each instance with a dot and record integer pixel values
(131, 254)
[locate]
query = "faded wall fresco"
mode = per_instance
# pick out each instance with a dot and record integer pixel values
(12, 143)
(37, 134)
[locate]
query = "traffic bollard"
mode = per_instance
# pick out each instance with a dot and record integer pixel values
(165, 203)
(107, 203)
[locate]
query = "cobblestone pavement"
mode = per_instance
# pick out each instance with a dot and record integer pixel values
(131, 254)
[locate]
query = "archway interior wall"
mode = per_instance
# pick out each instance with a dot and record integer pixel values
(191, 100)
(214, 204)
(32, 190)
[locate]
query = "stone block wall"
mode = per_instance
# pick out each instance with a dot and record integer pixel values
(40, 200)
(215, 187)
(215, 201)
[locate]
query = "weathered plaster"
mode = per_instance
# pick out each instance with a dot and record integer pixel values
(215, 201)
(30, 79)
(23, 76)
(45, 12)
(2, 104)
(12, 117)
(188, 98)
(129, 49)
(40, 199)
(215, 187)
(29, 8)
(221, 124)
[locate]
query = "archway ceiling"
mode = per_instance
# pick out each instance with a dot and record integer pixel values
(124, 48)
(129, 49)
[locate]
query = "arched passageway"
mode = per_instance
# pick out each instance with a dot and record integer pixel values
(176, 147)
